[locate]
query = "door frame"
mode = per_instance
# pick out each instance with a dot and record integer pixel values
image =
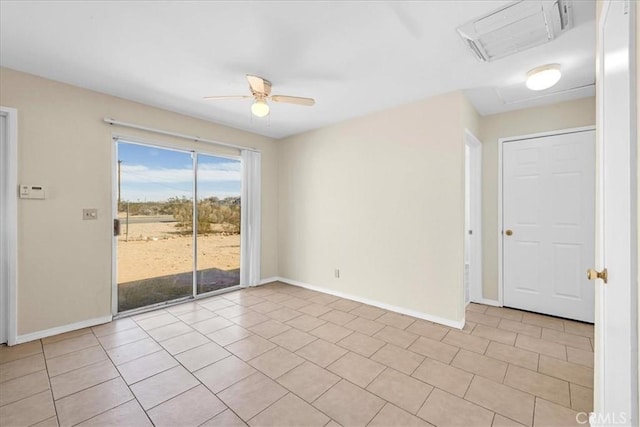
(475, 215)
(10, 246)
(501, 143)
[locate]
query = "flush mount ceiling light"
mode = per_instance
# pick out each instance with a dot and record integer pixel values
(541, 78)
(260, 108)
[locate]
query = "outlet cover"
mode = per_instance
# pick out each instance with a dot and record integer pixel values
(89, 214)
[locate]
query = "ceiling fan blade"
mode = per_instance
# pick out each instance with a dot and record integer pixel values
(212, 98)
(259, 85)
(293, 100)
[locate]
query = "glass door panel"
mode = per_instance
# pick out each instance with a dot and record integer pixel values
(218, 238)
(155, 259)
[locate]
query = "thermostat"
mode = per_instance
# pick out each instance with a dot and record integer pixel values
(31, 191)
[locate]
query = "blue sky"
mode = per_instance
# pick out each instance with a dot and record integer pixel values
(156, 174)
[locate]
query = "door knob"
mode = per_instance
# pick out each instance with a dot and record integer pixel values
(508, 232)
(593, 275)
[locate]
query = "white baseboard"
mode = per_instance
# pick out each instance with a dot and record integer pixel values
(268, 280)
(486, 301)
(62, 329)
(401, 310)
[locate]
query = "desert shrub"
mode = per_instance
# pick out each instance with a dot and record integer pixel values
(210, 211)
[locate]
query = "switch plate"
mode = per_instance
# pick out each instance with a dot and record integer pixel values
(336, 273)
(89, 214)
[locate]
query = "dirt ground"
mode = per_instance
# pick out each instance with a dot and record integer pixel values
(155, 249)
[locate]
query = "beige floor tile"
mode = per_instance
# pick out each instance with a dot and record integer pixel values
(293, 339)
(66, 336)
(540, 385)
(344, 304)
(543, 321)
(126, 415)
(269, 329)
(305, 322)
(284, 314)
(502, 399)
(494, 334)
(361, 344)
(581, 398)
(8, 354)
(252, 395)
(146, 366)
(70, 345)
(331, 332)
(83, 378)
(396, 336)
(398, 358)
(225, 419)
(28, 411)
(265, 307)
(114, 326)
(580, 357)
(276, 297)
(290, 411)
(78, 359)
(517, 356)
(402, 390)
(229, 335)
(276, 362)
(315, 310)
(224, 373)
(308, 381)
(235, 310)
(349, 404)
(470, 342)
(199, 357)
(392, 416)
(545, 347)
(169, 331)
(505, 313)
(500, 421)
(478, 364)
(93, 401)
(295, 303)
(211, 325)
(550, 414)
(443, 376)
(163, 386)
(434, 349)
(569, 340)
(338, 317)
(190, 408)
(129, 352)
(321, 352)
(218, 303)
(444, 409)
(157, 321)
(368, 312)
(428, 330)
(116, 339)
(364, 326)
(25, 386)
(250, 347)
(396, 320)
(195, 316)
(468, 327)
(184, 342)
(357, 369)
(323, 299)
(479, 308)
(183, 308)
(567, 371)
(482, 318)
(21, 367)
(579, 328)
(49, 422)
(520, 328)
(148, 314)
(249, 319)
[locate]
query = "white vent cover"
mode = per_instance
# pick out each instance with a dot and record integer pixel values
(516, 27)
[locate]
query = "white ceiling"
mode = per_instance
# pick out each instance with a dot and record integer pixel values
(354, 57)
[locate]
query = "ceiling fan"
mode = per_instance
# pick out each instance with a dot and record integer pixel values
(261, 92)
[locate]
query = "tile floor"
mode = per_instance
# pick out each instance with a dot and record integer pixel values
(281, 355)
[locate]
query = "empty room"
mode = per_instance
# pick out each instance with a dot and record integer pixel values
(319, 213)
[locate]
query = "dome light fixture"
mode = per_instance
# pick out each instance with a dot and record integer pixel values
(543, 77)
(260, 108)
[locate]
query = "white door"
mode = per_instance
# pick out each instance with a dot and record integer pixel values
(616, 333)
(4, 284)
(548, 224)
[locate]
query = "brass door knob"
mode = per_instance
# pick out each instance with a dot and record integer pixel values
(509, 232)
(593, 275)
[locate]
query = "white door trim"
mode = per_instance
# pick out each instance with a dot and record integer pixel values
(475, 274)
(11, 222)
(501, 143)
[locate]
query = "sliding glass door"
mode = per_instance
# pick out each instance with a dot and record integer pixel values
(179, 224)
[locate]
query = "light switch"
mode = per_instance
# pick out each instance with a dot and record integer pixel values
(88, 214)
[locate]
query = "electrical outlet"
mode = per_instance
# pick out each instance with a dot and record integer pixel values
(89, 214)
(336, 273)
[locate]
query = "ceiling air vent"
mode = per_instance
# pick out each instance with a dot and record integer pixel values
(516, 27)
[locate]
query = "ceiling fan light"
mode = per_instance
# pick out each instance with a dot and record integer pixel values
(541, 78)
(260, 108)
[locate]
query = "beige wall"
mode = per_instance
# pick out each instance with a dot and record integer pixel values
(381, 198)
(565, 115)
(64, 263)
